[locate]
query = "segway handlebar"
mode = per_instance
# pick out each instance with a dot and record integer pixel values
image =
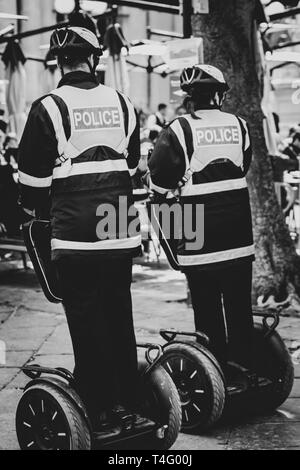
(170, 335)
(275, 315)
(150, 347)
(35, 371)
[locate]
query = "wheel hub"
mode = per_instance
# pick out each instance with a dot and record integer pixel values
(183, 390)
(45, 436)
(46, 433)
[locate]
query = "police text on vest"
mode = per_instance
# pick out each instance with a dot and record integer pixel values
(96, 118)
(223, 135)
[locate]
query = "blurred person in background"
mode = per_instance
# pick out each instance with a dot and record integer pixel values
(287, 160)
(181, 110)
(11, 150)
(288, 140)
(144, 131)
(292, 150)
(10, 219)
(3, 128)
(142, 116)
(157, 121)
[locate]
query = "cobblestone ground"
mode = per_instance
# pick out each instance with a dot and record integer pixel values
(34, 329)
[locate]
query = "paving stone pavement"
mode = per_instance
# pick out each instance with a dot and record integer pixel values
(35, 330)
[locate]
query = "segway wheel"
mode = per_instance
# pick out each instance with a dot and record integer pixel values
(273, 362)
(199, 383)
(47, 420)
(162, 405)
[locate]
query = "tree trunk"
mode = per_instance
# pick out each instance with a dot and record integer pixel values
(229, 40)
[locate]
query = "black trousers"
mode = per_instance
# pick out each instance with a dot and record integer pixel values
(97, 301)
(222, 306)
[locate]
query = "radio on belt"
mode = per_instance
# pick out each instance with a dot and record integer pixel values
(225, 135)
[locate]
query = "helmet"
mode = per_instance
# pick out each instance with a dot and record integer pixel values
(204, 77)
(74, 41)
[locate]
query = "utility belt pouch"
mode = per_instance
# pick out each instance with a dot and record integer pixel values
(37, 239)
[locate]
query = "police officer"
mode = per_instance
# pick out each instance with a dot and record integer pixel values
(79, 149)
(208, 153)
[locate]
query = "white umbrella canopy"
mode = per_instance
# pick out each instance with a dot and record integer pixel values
(149, 56)
(286, 56)
(149, 48)
(270, 28)
(14, 60)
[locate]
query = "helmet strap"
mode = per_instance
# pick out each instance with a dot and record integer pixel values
(219, 98)
(93, 66)
(61, 70)
(192, 111)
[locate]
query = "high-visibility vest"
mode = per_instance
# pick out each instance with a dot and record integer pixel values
(92, 138)
(213, 148)
(95, 117)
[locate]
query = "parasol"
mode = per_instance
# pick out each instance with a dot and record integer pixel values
(286, 56)
(148, 56)
(117, 74)
(14, 60)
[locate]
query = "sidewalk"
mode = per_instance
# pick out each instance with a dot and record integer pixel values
(34, 329)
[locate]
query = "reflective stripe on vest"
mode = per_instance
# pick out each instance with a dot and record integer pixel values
(131, 118)
(56, 118)
(177, 129)
(33, 181)
(68, 169)
(115, 244)
(220, 256)
(215, 187)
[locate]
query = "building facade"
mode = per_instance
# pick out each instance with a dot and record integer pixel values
(146, 90)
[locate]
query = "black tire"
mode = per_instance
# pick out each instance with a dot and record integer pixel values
(162, 405)
(273, 361)
(199, 383)
(47, 419)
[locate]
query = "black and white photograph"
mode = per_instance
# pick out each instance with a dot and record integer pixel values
(149, 228)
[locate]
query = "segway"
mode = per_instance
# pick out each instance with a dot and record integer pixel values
(52, 416)
(207, 393)
(205, 390)
(198, 377)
